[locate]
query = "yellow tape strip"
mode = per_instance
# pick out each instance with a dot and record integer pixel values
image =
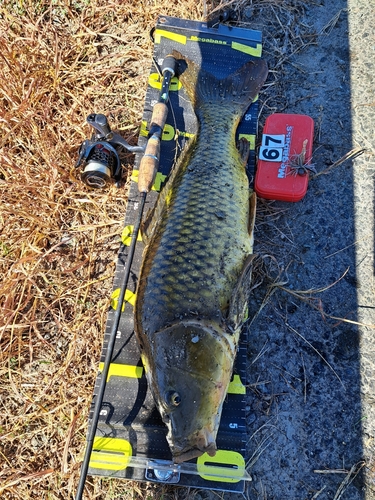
(236, 386)
(171, 36)
(250, 137)
(159, 179)
(110, 453)
(126, 235)
(185, 134)
(168, 131)
(232, 461)
(155, 82)
(117, 370)
(129, 297)
(246, 49)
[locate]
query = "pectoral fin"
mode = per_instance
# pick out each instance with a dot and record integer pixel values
(252, 213)
(243, 146)
(240, 296)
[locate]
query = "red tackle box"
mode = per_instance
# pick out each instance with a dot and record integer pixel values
(285, 137)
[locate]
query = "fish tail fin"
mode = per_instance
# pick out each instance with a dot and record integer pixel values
(235, 92)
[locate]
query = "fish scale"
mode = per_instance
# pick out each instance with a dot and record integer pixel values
(192, 237)
(187, 253)
(192, 290)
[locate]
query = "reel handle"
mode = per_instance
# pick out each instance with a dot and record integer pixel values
(100, 123)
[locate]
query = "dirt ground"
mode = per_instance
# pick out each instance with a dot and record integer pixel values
(311, 411)
(311, 406)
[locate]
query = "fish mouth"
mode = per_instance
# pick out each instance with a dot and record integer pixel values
(194, 453)
(204, 443)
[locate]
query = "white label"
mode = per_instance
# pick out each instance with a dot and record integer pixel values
(274, 141)
(269, 153)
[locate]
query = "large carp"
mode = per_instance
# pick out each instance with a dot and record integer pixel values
(195, 275)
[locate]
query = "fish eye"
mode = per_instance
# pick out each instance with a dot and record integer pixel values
(173, 398)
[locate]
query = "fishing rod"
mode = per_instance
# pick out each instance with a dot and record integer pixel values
(101, 163)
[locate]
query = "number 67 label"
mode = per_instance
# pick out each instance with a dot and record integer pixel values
(272, 147)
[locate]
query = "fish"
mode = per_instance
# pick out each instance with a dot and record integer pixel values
(194, 281)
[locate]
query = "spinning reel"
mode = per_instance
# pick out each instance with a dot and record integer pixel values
(99, 156)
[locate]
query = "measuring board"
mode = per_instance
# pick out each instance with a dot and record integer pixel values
(131, 438)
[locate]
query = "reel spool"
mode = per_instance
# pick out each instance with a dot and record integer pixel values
(101, 164)
(99, 157)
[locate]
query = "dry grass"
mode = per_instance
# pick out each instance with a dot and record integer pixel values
(59, 61)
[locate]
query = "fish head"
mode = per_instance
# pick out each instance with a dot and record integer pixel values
(189, 377)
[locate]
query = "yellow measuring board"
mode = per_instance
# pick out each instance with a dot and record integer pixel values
(130, 432)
